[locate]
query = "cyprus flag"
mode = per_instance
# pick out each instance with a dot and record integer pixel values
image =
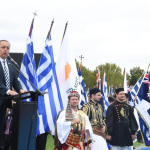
(66, 70)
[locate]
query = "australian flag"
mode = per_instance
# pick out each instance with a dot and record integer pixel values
(144, 110)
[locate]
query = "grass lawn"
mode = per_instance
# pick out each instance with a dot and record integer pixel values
(136, 144)
(50, 142)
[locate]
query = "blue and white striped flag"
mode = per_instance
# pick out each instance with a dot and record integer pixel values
(28, 67)
(51, 103)
(83, 98)
(135, 90)
(112, 91)
(109, 93)
(106, 104)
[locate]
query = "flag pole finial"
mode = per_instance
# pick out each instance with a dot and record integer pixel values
(80, 61)
(35, 14)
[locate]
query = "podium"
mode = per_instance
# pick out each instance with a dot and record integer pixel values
(24, 121)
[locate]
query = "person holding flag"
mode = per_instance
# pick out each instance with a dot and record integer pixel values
(121, 123)
(96, 116)
(72, 125)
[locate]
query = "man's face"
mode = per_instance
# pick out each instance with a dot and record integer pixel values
(121, 96)
(74, 101)
(96, 97)
(4, 49)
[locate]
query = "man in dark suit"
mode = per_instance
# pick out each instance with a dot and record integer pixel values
(8, 79)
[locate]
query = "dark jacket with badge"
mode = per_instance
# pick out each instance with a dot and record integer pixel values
(121, 124)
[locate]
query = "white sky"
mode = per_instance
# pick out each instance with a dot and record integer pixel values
(113, 31)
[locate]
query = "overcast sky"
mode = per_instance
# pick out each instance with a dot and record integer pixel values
(113, 31)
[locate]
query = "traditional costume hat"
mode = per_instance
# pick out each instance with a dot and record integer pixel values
(69, 115)
(119, 90)
(94, 91)
(74, 93)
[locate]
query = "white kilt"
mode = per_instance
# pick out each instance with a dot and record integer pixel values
(100, 143)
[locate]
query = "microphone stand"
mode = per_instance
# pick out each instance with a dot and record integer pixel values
(42, 93)
(36, 96)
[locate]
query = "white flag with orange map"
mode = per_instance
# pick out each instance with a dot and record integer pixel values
(66, 70)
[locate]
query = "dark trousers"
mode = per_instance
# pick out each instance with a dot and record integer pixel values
(41, 141)
(2, 123)
(8, 142)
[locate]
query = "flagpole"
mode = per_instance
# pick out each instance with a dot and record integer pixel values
(103, 77)
(64, 31)
(123, 77)
(50, 29)
(148, 67)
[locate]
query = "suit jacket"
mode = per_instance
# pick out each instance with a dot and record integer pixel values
(13, 81)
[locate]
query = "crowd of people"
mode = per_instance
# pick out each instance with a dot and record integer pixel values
(116, 131)
(75, 129)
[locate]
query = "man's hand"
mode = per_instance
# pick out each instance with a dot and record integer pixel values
(134, 137)
(109, 138)
(90, 146)
(23, 91)
(12, 93)
(77, 120)
(103, 129)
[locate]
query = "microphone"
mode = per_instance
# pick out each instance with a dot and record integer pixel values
(12, 61)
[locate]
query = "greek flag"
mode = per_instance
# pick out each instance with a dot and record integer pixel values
(83, 98)
(112, 91)
(106, 104)
(28, 67)
(135, 90)
(51, 103)
(109, 93)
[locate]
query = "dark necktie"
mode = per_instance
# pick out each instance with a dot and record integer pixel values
(6, 76)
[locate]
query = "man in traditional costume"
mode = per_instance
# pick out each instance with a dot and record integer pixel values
(121, 123)
(71, 127)
(96, 116)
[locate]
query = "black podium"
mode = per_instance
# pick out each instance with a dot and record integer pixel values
(24, 121)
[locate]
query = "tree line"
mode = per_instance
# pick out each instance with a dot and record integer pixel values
(114, 75)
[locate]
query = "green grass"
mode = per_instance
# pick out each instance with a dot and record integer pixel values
(136, 144)
(50, 142)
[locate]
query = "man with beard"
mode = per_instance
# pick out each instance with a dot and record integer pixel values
(71, 127)
(121, 123)
(96, 116)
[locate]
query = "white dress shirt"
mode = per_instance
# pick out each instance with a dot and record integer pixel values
(1, 60)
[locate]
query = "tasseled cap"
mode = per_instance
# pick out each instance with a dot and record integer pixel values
(69, 115)
(119, 90)
(74, 93)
